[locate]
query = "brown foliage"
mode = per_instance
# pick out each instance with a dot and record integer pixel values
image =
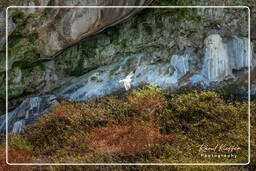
(65, 109)
(126, 139)
(15, 156)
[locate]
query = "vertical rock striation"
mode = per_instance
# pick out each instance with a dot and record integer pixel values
(216, 64)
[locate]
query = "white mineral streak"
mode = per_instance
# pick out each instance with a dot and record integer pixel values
(180, 65)
(238, 52)
(216, 64)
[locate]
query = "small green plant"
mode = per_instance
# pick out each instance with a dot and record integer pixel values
(20, 142)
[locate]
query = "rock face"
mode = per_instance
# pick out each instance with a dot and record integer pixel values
(47, 31)
(166, 47)
(164, 71)
(157, 69)
(238, 48)
(216, 61)
(36, 35)
(30, 110)
(221, 59)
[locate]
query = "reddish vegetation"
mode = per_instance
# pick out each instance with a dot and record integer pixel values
(126, 139)
(65, 110)
(15, 156)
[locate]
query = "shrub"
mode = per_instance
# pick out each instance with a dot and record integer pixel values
(139, 128)
(193, 106)
(126, 139)
(99, 112)
(147, 102)
(50, 133)
(19, 156)
(233, 91)
(197, 112)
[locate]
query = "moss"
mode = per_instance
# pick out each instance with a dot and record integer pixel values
(232, 91)
(87, 53)
(14, 41)
(6, 3)
(19, 142)
(79, 70)
(2, 92)
(15, 91)
(27, 62)
(20, 21)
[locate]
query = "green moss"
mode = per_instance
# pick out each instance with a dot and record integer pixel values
(232, 90)
(27, 62)
(20, 21)
(14, 41)
(79, 70)
(20, 142)
(87, 53)
(15, 91)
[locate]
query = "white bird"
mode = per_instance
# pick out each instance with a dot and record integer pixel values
(127, 81)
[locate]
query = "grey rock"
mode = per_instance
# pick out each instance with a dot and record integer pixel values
(18, 127)
(105, 82)
(58, 29)
(171, 71)
(27, 113)
(11, 28)
(239, 53)
(216, 67)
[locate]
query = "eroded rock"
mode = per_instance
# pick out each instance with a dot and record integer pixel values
(216, 64)
(27, 113)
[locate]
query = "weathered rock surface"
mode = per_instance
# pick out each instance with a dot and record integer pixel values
(47, 31)
(222, 59)
(27, 113)
(166, 70)
(156, 68)
(216, 61)
(36, 35)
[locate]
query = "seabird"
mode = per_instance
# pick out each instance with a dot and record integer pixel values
(127, 80)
